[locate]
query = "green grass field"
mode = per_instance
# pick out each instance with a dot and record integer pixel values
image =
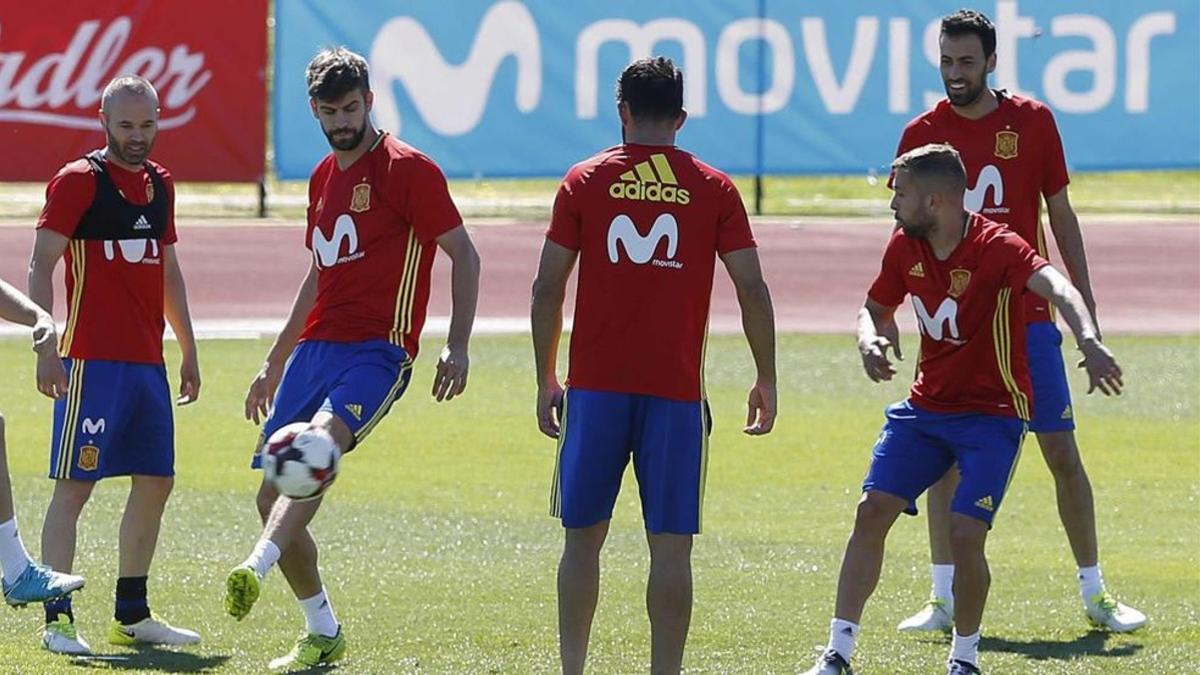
(1145, 192)
(439, 556)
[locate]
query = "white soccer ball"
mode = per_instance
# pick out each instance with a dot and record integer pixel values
(300, 460)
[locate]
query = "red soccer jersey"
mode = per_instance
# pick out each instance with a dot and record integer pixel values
(1013, 156)
(972, 333)
(371, 230)
(114, 288)
(648, 222)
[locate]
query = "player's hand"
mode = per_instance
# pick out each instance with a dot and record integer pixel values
(549, 409)
(189, 380)
(51, 374)
(451, 377)
(760, 409)
(262, 390)
(1102, 369)
(874, 358)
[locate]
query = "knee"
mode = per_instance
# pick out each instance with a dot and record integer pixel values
(967, 534)
(71, 496)
(1061, 454)
(585, 542)
(155, 489)
(265, 501)
(873, 515)
(674, 550)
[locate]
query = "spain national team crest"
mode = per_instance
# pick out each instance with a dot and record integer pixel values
(1006, 144)
(958, 282)
(89, 457)
(361, 199)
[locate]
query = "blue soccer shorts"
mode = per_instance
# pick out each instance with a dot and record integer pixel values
(1051, 394)
(356, 381)
(116, 420)
(667, 440)
(917, 447)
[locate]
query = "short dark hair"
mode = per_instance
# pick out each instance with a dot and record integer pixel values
(653, 89)
(971, 22)
(334, 72)
(937, 162)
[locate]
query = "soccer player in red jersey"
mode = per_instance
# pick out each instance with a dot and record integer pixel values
(971, 399)
(112, 215)
(24, 580)
(1014, 156)
(378, 212)
(646, 222)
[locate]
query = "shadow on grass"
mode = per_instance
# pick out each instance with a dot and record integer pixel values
(152, 659)
(1091, 643)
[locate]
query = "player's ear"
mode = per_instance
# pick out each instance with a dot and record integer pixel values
(623, 113)
(680, 119)
(312, 105)
(991, 63)
(368, 99)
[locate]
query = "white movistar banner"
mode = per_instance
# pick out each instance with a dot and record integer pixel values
(510, 88)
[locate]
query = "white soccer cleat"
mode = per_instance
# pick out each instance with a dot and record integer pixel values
(150, 631)
(936, 615)
(59, 636)
(1104, 611)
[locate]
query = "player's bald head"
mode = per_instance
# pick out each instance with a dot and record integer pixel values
(128, 87)
(936, 167)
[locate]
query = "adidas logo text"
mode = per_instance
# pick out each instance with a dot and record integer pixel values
(650, 181)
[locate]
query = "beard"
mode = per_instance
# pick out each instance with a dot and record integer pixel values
(918, 226)
(972, 92)
(342, 139)
(133, 153)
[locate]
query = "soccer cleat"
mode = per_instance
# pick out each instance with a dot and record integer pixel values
(1104, 611)
(830, 663)
(936, 615)
(312, 650)
(956, 667)
(150, 631)
(59, 636)
(241, 591)
(39, 583)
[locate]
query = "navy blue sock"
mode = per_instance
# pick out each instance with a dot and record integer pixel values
(56, 607)
(131, 604)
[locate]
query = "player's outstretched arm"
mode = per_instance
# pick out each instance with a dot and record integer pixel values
(758, 322)
(877, 330)
(48, 248)
(15, 307)
(546, 317)
(175, 307)
(1103, 372)
(1065, 226)
(262, 387)
(454, 363)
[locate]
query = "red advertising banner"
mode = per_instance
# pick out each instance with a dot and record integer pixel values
(206, 59)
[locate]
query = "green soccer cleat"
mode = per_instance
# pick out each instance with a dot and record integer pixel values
(312, 650)
(241, 591)
(150, 631)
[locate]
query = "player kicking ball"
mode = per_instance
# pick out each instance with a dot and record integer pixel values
(378, 211)
(970, 402)
(24, 580)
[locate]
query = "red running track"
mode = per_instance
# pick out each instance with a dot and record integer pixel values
(1146, 275)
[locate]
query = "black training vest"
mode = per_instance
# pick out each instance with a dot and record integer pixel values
(111, 217)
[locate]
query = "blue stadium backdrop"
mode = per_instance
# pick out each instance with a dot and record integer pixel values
(508, 88)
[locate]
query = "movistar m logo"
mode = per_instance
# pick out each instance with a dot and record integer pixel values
(944, 322)
(651, 180)
(989, 179)
(328, 252)
(451, 98)
(639, 249)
